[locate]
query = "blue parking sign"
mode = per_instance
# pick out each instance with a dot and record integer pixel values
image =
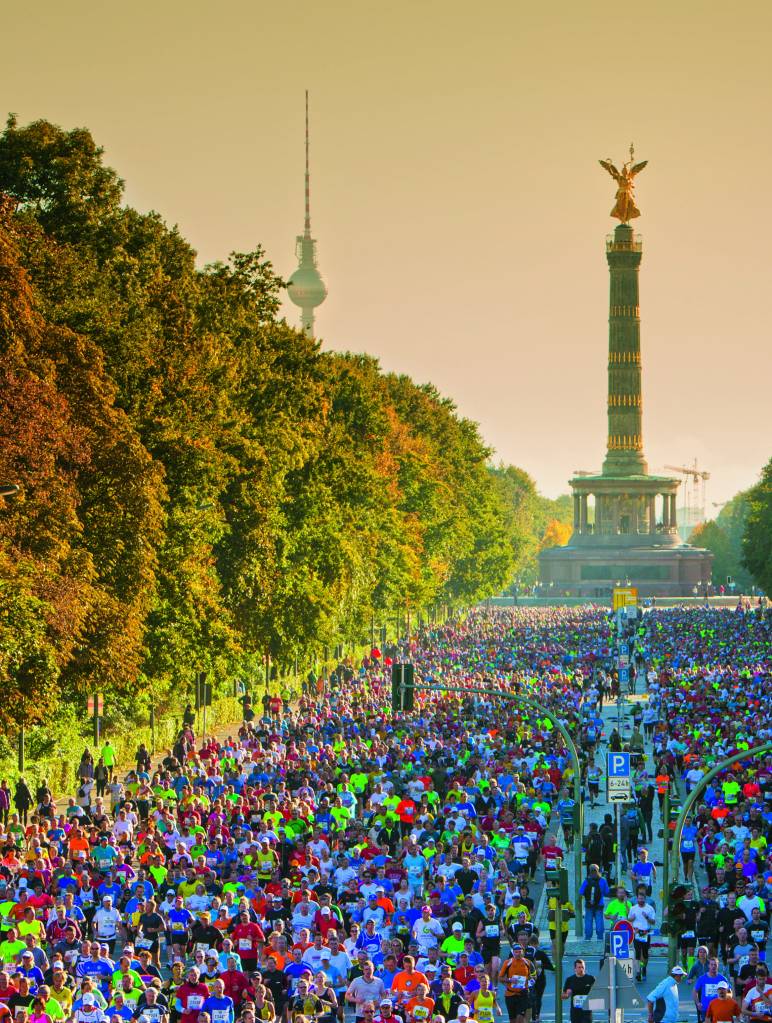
(619, 944)
(618, 765)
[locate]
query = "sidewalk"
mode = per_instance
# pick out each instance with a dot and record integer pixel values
(610, 714)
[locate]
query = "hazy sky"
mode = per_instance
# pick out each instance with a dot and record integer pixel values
(457, 199)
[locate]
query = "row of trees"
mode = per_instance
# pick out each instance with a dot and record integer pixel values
(201, 486)
(740, 537)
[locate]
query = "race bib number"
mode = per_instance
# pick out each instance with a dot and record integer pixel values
(517, 982)
(195, 1002)
(245, 944)
(144, 943)
(491, 930)
(579, 1001)
(220, 1016)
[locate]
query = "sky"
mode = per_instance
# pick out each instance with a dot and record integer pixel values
(457, 200)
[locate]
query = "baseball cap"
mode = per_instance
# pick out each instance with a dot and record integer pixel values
(88, 999)
(457, 926)
(387, 1004)
(721, 984)
(462, 1011)
(677, 971)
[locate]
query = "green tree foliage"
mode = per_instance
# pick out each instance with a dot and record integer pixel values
(757, 541)
(200, 485)
(724, 537)
(532, 521)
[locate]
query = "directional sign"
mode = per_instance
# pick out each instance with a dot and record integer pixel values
(619, 944)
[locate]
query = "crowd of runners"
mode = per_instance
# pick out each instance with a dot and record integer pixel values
(335, 858)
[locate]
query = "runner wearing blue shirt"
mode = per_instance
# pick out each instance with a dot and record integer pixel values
(644, 872)
(180, 921)
(218, 1005)
(706, 988)
(689, 849)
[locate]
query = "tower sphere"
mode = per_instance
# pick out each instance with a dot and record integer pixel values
(306, 287)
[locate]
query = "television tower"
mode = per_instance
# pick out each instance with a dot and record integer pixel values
(306, 287)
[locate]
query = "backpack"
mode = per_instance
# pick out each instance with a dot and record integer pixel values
(592, 893)
(595, 849)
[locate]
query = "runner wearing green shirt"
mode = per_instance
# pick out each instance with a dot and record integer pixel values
(5, 912)
(108, 757)
(11, 947)
(618, 907)
(731, 790)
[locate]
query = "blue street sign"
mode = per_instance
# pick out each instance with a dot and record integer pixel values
(619, 944)
(624, 674)
(618, 765)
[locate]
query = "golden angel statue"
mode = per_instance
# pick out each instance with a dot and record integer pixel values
(624, 208)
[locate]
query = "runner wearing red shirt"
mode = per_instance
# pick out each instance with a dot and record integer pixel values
(249, 940)
(235, 982)
(191, 996)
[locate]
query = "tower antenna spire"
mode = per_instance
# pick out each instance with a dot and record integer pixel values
(308, 179)
(306, 287)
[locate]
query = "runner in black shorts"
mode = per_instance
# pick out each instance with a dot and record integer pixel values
(515, 975)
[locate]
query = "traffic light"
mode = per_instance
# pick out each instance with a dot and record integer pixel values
(556, 882)
(402, 678)
(678, 899)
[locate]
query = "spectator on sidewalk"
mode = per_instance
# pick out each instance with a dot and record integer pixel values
(595, 890)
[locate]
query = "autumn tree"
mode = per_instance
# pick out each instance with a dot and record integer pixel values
(757, 541)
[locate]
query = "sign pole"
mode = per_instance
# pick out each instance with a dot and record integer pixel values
(558, 958)
(619, 842)
(612, 989)
(666, 852)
